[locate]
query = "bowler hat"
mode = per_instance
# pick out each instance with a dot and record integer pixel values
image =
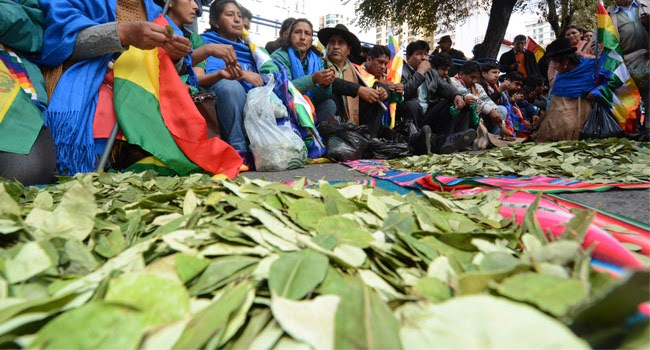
(560, 47)
(325, 34)
(444, 39)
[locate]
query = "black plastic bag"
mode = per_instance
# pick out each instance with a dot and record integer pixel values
(344, 140)
(600, 124)
(387, 149)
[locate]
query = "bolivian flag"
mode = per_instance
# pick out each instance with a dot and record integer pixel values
(535, 48)
(621, 94)
(156, 112)
(20, 119)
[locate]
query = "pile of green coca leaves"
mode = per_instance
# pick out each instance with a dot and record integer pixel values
(126, 261)
(597, 161)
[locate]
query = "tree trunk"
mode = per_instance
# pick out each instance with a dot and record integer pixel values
(496, 30)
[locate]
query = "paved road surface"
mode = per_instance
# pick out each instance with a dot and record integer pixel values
(634, 204)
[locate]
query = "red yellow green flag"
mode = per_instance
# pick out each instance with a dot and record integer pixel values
(535, 48)
(156, 112)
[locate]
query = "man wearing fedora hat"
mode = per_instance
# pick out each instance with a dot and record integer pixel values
(355, 102)
(444, 45)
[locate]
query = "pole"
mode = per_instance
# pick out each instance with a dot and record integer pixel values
(116, 128)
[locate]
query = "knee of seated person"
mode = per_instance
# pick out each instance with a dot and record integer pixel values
(229, 90)
(36, 168)
(325, 109)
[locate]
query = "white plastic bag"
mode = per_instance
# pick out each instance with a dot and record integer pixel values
(275, 148)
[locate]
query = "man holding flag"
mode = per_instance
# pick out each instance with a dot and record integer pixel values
(629, 26)
(624, 38)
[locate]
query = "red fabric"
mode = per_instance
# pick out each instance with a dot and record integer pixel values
(105, 117)
(187, 126)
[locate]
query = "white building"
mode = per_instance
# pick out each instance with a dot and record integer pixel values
(332, 19)
(404, 35)
(541, 31)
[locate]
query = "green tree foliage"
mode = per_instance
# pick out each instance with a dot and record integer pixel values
(429, 15)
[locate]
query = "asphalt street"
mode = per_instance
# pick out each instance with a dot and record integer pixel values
(634, 204)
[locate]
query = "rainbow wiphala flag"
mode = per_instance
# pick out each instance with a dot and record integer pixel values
(621, 94)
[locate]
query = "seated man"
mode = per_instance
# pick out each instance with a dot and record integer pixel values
(27, 151)
(442, 63)
(427, 99)
(466, 82)
(489, 80)
(376, 66)
(355, 102)
(515, 122)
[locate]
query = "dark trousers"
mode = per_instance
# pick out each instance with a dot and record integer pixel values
(36, 168)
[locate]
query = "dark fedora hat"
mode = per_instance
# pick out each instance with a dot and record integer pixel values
(325, 34)
(444, 39)
(560, 47)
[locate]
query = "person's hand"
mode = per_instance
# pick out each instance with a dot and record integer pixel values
(323, 77)
(383, 94)
(469, 99)
(535, 119)
(177, 47)
(504, 85)
(252, 78)
(459, 102)
(645, 19)
(399, 88)
(504, 131)
(368, 94)
(141, 34)
(231, 73)
(224, 52)
(424, 67)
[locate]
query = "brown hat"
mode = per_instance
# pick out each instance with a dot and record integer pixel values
(444, 39)
(500, 141)
(325, 34)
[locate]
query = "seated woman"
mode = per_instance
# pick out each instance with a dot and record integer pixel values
(306, 68)
(27, 151)
(85, 40)
(230, 81)
(573, 92)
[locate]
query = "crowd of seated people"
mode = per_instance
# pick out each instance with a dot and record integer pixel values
(445, 100)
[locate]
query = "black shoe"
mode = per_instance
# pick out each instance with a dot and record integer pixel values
(421, 143)
(458, 141)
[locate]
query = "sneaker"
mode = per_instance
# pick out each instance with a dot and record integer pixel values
(421, 143)
(458, 141)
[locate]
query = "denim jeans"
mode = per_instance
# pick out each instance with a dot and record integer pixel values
(231, 98)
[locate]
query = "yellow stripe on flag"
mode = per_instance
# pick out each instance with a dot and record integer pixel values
(605, 22)
(9, 88)
(147, 77)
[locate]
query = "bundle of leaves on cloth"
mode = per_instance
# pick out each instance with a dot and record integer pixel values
(129, 261)
(597, 161)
